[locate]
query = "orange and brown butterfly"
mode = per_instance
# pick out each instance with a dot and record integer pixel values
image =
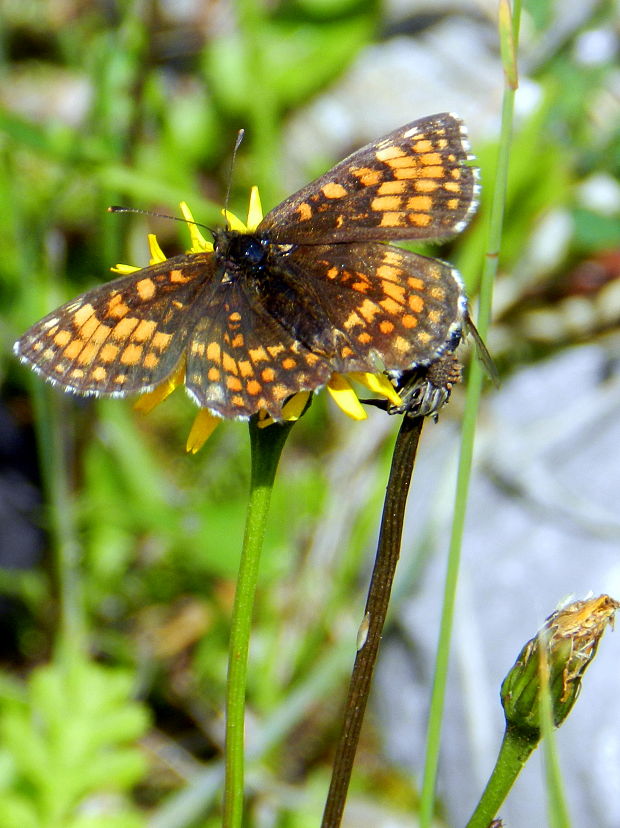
(309, 293)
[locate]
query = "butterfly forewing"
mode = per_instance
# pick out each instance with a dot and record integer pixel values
(123, 337)
(415, 183)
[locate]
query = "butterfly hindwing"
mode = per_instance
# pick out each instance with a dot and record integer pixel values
(241, 358)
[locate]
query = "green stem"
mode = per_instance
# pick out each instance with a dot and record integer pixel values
(509, 29)
(266, 446)
(557, 807)
(514, 753)
(50, 417)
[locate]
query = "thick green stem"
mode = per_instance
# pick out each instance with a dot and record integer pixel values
(266, 445)
(514, 753)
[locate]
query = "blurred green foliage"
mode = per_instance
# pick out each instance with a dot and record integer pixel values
(150, 108)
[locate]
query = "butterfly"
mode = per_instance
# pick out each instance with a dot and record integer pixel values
(312, 291)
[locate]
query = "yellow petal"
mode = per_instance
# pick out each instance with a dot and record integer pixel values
(291, 411)
(233, 222)
(199, 243)
(255, 210)
(203, 427)
(157, 254)
(378, 384)
(264, 420)
(124, 269)
(147, 402)
(345, 397)
(294, 408)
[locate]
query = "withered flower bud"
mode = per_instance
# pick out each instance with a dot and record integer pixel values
(556, 657)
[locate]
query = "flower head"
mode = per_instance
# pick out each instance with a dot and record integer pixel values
(338, 386)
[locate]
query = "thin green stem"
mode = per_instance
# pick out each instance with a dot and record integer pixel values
(556, 799)
(266, 446)
(508, 30)
(513, 754)
(50, 416)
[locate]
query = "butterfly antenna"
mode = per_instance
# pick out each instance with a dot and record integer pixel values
(240, 136)
(115, 208)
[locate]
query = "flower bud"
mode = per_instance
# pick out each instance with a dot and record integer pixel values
(557, 658)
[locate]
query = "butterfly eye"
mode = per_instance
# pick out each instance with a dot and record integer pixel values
(247, 249)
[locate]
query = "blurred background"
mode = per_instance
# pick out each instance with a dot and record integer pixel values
(118, 552)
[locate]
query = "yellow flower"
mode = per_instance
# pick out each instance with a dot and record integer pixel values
(205, 422)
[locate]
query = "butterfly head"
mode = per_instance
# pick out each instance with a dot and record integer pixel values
(245, 250)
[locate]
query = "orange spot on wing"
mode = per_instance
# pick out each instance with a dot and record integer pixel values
(161, 340)
(389, 153)
(432, 171)
(367, 176)
(83, 314)
(108, 352)
(123, 329)
(424, 145)
(145, 289)
(392, 220)
(229, 364)
(132, 354)
(392, 188)
(214, 352)
(151, 360)
(420, 219)
(73, 349)
(62, 338)
(426, 185)
(143, 330)
(386, 203)
(423, 203)
(333, 190)
(305, 211)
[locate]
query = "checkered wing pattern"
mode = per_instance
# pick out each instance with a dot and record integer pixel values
(316, 310)
(387, 308)
(242, 359)
(309, 293)
(123, 337)
(415, 183)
